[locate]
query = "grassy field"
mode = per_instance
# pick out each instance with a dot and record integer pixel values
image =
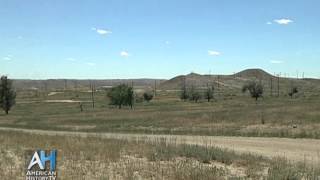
(96, 158)
(229, 114)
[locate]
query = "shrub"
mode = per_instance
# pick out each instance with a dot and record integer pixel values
(293, 91)
(147, 96)
(255, 89)
(121, 95)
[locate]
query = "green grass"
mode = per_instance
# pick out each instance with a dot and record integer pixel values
(228, 115)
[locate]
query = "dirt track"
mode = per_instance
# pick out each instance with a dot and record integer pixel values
(303, 150)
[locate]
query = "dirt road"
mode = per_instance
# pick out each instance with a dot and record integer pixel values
(303, 150)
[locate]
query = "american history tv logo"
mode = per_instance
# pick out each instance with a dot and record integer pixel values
(42, 165)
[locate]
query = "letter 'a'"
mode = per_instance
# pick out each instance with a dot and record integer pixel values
(35, 160)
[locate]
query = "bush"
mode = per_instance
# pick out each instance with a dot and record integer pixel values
(121, 95)
(293, 91)
(147, 96)
(255, 89)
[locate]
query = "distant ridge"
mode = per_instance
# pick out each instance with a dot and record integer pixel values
(60, 84)
(237, 80)
(223, 82)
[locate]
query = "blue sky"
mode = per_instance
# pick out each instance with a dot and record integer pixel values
(157, 38)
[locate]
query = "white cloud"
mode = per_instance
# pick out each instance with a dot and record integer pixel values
(269, 23)
(101, 31)
(7, 58)
(124, 54)
(70, 59)
(276, 62)
(91, 64)
(213, 53)
(283, 21)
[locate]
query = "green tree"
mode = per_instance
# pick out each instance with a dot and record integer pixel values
(293, 91)
(7, 94)
(147, 96)
(255, 89)
(121, 95)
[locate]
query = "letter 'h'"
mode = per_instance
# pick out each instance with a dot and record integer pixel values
(51, 158)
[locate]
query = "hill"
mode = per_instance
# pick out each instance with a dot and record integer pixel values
(236, 81)
(254, 73)
(226, 81)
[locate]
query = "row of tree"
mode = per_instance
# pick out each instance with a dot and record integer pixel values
(123, 95)
(195, 95)
(254, 88)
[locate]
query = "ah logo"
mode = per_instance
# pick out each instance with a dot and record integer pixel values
(42, 159)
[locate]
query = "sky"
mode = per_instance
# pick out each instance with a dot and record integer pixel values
(104, 39)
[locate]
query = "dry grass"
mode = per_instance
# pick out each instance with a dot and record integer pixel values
(96, 158)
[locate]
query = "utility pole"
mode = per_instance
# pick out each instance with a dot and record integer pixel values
(183, 89)
(218, 90)
(278, 85)
(44, 88)
(155, 88)
(271, 86)
(65, 84)
(92, 93)
(75, 84)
